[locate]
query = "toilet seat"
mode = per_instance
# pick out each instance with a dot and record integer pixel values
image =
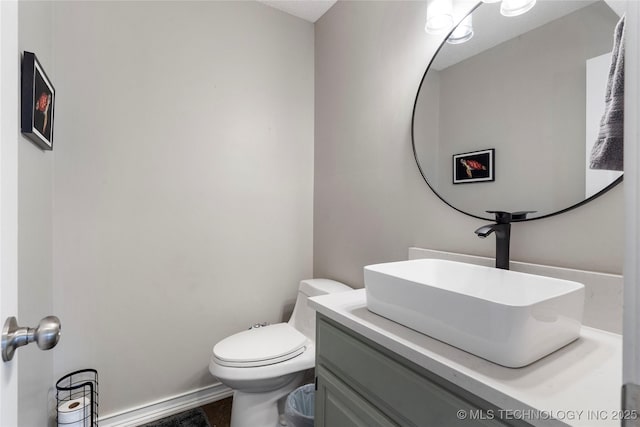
(260, 346)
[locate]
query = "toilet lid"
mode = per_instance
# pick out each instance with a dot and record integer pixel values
(260, 346)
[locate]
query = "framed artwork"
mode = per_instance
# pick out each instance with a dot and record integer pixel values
(38, 100)
(477, 166)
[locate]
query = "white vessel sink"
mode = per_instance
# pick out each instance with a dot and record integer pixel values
(506, 317)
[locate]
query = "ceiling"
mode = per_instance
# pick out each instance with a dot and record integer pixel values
(309, 10)
(491, 28)
(312, 10)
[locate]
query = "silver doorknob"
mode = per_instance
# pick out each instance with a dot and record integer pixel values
(46, 335)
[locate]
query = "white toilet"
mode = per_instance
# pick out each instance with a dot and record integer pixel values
(265, 364)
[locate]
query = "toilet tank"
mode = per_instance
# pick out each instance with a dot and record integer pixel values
(304, 317)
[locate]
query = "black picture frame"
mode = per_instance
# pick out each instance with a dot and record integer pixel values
(38, 101)
(475, 166)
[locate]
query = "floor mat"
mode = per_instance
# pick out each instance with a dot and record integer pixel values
(192, 418)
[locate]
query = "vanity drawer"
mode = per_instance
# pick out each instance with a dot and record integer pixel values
(409, 395)
(338, 405)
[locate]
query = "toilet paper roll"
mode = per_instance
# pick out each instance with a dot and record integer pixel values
(75, 413)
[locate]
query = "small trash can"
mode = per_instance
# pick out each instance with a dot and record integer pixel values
(299, 408)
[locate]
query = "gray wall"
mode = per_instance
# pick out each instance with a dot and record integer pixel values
(370, 200)
(183, 185)
(35, 205)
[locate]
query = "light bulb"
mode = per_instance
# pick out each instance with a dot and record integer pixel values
(463, 32)
(439, 16)
(516, 7)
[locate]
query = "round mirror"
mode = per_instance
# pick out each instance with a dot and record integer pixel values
(507, 120)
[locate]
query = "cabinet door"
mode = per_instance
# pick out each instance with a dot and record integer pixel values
(404, 393)
(339, 406)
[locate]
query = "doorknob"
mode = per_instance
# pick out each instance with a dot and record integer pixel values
(46, 335)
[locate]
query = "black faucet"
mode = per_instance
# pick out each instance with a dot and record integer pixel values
(502, 228)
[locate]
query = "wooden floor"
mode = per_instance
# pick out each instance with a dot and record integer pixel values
(219, 413)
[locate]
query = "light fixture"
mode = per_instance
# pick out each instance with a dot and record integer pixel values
(516, 7)
(463, 32)
(490, 1)
(439, 16)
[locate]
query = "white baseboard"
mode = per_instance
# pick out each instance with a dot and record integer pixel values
(165, 407)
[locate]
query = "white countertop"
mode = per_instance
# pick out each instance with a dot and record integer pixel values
(578, 385)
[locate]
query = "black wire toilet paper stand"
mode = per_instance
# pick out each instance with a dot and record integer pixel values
(78, 385)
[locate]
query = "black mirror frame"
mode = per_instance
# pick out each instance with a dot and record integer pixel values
(415, 153)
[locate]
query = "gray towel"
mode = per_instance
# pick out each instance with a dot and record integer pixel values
(608, 151)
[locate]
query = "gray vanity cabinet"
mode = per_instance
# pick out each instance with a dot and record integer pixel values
(362, 384)
(340, 406)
